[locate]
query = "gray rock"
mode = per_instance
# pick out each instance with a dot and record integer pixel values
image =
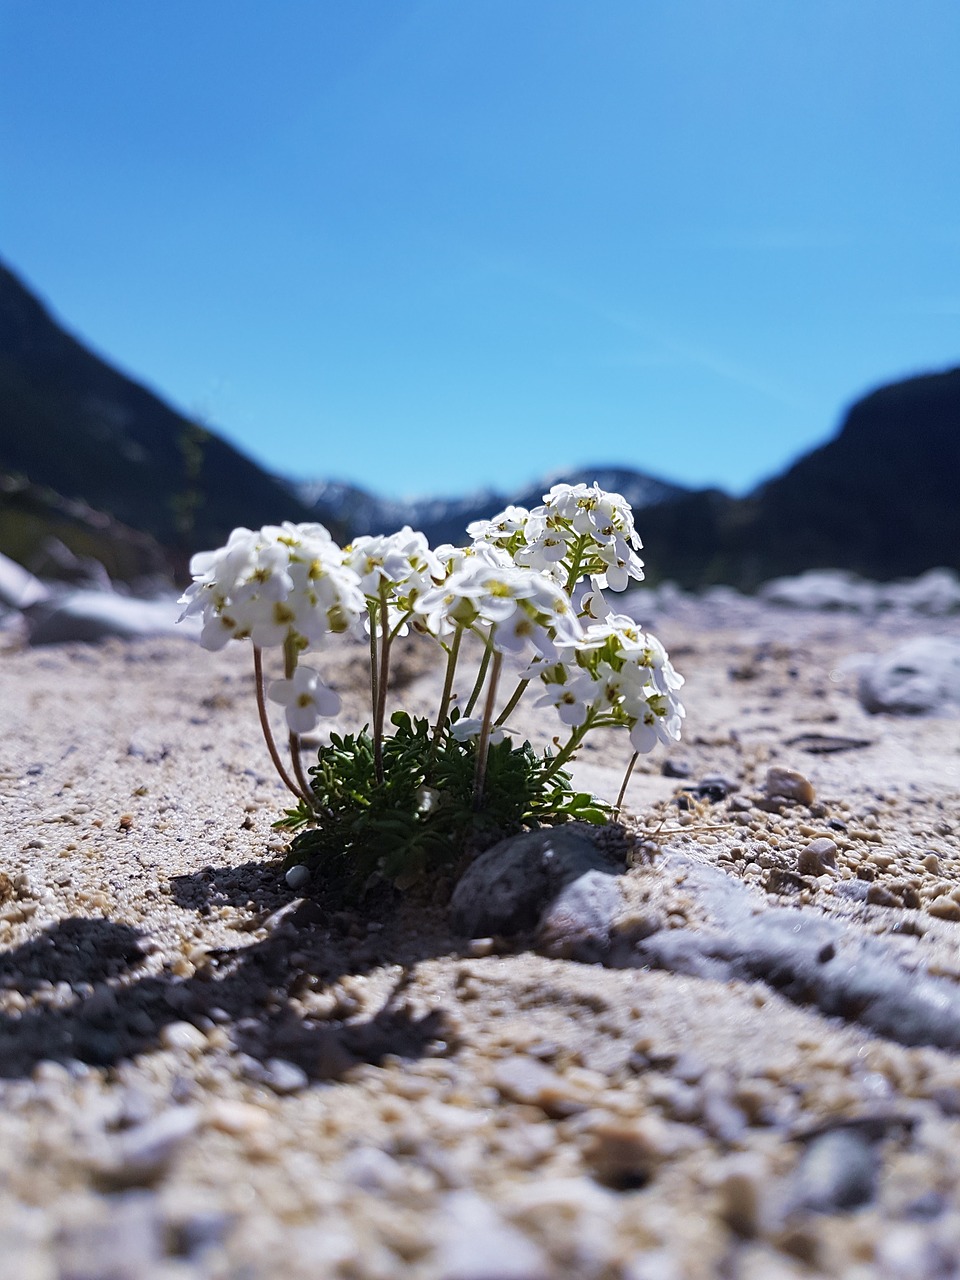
(788, 784)
(141, 1155)
(917, 678)
(284, 1077)
(577, 924)
(95, 615)
(838, 1171)
(190, 1235)
(18, 588)
(508, 887)
(936, 592)
(822, 589)
(817, 857)
(809, 959)
(298, 876)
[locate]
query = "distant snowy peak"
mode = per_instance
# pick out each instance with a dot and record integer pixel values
(446, 519)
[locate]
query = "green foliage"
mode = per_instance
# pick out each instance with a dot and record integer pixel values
(421, 818)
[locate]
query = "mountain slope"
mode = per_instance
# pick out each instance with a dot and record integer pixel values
(881, 499)
(884, 495)
(70, 422)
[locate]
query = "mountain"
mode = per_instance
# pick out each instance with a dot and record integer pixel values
(102, 466)
(881, 499)
(71, 424)
(446, 519)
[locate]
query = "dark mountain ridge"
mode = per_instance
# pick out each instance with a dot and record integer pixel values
(89, 455)
(71, 423)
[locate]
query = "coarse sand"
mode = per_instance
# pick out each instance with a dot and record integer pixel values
(205, 1074)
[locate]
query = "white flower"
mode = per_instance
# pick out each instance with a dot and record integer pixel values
(286, 580)
(400, 566)
(621, 675)
(464, 730)
(402, 561)
(579, 530)
(503, 532)
(516, 605)
(305, 697)
(594, 605)
(573, 693)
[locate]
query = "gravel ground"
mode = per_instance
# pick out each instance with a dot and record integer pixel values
(203, 1074)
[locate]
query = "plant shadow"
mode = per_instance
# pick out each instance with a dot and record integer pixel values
(85, 999)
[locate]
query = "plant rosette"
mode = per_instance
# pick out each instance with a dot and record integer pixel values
(409, 804)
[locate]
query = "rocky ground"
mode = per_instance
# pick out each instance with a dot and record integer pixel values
(730, 1050)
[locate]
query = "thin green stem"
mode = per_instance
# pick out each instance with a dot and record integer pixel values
(381, 708)
(396, 630)
(301, 777)
(452, 655)
(483, 745)
(290, 654)
(374, 687)
(267, 733)
(481, 676)
(623, 786)
(564, 754)
(573, 572)
(374, 659)
(514, 699)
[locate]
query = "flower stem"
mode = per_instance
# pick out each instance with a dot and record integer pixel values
(514, 699)
(290, 652)
(623, 786)
(481, 676)
(562, 756)
(374, 660)
(483, 745)
(573, 571)
(267, 734)
(452, 656)
(381, 708)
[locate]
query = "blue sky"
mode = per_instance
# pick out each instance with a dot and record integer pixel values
(434, 245)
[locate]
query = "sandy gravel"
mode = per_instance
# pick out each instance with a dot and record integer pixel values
(205, 1075)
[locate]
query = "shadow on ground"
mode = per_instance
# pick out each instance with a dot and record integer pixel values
(100, 1011)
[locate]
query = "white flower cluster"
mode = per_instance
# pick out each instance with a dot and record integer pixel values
(579, 531)
(399, 564)
(510, 605)
(616, 674)
(280, 585)
(292, 586)
(286, 580)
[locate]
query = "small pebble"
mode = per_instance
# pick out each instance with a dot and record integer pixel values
(743, 1179)
(838, 1171)
(183, 1035)
(789, 785)
(625, 1154)
(236, 1118)
(481, 946)
(284, 1077)
(525, 1080)
(297, 877)
(141, 1155)
(944, 908)
(817, 857)
(476, 1243)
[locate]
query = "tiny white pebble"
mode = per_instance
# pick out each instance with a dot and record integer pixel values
(183, 1035)
(297, 876)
